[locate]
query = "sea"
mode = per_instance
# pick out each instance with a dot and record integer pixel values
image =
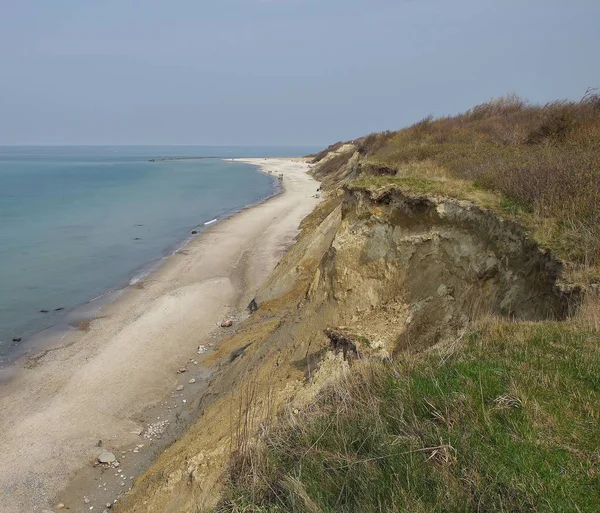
(77, 223)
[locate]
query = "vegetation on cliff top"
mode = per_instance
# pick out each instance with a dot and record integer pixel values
(543, 160)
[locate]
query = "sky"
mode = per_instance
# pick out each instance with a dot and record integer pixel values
(277, 72)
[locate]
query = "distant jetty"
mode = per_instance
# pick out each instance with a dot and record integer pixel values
(163, 159)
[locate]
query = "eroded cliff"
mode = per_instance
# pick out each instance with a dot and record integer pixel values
(395, 270)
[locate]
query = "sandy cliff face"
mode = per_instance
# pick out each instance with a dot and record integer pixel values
(395, 271)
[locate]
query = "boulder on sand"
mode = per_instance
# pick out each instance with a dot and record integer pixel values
(227, 323)
(107, 457)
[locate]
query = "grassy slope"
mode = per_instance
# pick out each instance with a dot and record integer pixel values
(507, 419)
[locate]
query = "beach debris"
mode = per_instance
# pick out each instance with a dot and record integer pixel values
(227, 323)
(156, 430)
(201, 350)
(59, 309)
(181, 370)
(194, 232)
(17, 339)
(86, 500)
(59, 506)
(107, 457)
(44, 311)
(192, 381)
(115, 464)
(179, 388)
(99, 443)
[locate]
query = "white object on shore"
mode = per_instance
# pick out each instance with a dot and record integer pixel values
(210, 222)
(107, 457)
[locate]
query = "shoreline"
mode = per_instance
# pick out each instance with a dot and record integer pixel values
(100, 384)
(87, 311)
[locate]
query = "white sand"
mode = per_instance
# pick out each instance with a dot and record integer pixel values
(99, 381)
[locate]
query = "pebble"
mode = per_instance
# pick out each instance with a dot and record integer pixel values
(192, 381)
(179, 388)
(86, 500)
(227, 323)
(182, 370)
(156, 430)
(59, 506)
(107, 457)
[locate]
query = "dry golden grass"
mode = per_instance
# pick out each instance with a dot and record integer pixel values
(543, 162)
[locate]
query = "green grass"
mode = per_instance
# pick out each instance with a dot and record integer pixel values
(507, 420)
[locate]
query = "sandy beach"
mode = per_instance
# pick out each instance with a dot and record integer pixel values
(98, 383)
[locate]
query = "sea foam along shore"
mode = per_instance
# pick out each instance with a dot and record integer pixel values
(97, 383)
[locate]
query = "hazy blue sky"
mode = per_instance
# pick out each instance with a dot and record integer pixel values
(277, 71)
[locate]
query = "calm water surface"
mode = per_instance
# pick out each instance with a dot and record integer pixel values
(78, 221)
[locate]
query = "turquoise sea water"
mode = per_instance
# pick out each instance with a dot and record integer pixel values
(76, 222)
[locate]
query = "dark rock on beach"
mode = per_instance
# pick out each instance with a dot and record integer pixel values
(194, 232)
(43, 311)
(17, 339)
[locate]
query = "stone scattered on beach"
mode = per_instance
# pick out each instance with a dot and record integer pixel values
(181, 370)
(107, 457)
(86, 500)
(192, 381)
(18, 339)
(227, 323)
(201, 350)
(59, 506)
(43, 311)
(194, 232)
(60, 309)
(179, 388)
